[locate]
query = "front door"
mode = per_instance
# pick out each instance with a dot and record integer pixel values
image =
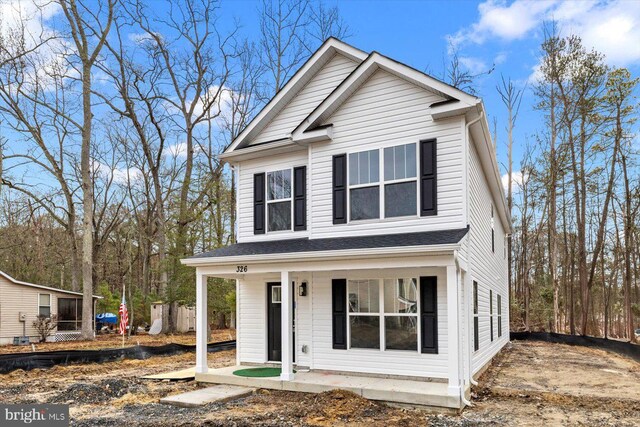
(274, 322)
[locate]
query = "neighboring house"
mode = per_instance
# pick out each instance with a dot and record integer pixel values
(185, 319)
(372, 190)
(30, 300)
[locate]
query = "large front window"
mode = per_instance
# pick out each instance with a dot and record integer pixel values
(279, 200)
(400, 188)
(383, 314)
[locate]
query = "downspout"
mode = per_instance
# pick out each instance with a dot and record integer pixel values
(469, 313)
(460, 363)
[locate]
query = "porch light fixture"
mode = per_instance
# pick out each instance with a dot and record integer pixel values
(302, 289)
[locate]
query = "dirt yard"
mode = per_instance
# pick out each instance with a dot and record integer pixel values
(115, 341)
(529, 384)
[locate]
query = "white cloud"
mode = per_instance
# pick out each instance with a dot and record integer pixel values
(610, 26)
(518, 179)
(474, 65)
(119, 175)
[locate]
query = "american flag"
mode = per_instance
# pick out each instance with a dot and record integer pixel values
(124, 315)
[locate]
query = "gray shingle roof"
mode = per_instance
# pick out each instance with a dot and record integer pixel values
(426, 238)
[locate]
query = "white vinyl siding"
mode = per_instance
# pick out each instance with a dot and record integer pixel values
(488, 268)
(375, 361)
(252, 320)
(245, 193)
(330, 76)
(387, 111)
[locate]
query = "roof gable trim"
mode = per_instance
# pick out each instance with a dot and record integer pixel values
(297, 82)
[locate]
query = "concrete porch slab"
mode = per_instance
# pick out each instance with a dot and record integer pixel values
(411, 392)
(200, 397)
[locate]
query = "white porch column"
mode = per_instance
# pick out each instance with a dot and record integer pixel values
(287, 330)
(453, 330)
(202, 326)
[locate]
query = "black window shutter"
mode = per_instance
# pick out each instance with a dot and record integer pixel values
(428, 178)
(258, 203)
(340, 189)
(339, 313)
(429, 314)
(300, 198)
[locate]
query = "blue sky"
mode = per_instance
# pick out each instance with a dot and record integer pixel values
(505, 33)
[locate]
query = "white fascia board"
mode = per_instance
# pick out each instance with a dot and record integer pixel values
(260, 150)
(449, 110)
(315, 135)
(296, 83)
(48, 288)
(320, 255)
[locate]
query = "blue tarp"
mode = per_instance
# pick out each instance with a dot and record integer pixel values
(107, 318)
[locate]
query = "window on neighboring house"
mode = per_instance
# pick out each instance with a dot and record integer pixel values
(69, 314)
(476, 335)
(400, 188)
(491, 313)
(383, 314)
(364, 185)
(279, 200)
(493, 233)
(499, 315)
(44, 305)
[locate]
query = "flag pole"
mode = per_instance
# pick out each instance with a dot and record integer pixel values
(122, 314)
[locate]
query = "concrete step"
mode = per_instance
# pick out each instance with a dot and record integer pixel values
(219, 393)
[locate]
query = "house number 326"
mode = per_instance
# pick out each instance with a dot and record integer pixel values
(241, 269)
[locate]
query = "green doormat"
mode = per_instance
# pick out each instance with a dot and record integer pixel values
(258, 372)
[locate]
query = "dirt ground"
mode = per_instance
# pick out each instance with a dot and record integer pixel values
(529, 383)
(115, 341)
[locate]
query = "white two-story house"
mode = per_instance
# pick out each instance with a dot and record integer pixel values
(371, 231)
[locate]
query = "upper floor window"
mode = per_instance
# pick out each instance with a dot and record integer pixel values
(399, 197)
(400, 190)
(279, 200)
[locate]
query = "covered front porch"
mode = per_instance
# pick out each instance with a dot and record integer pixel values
(392, 369)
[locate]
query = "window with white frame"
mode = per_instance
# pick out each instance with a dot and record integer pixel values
(364, 185)
(493, 232)
(491, 313)
(476, 326)
(400, 187)
(383, 314)
(279, 200)
(44, 305)
(499, 315)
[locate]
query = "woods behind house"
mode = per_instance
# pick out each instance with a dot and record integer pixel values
(112, 119)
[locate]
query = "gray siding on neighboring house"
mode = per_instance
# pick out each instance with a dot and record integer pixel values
(17, 298)
(489, 269)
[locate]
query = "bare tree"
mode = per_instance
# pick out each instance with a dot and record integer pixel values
(283, 25)
(512, 99)
(89, 25)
